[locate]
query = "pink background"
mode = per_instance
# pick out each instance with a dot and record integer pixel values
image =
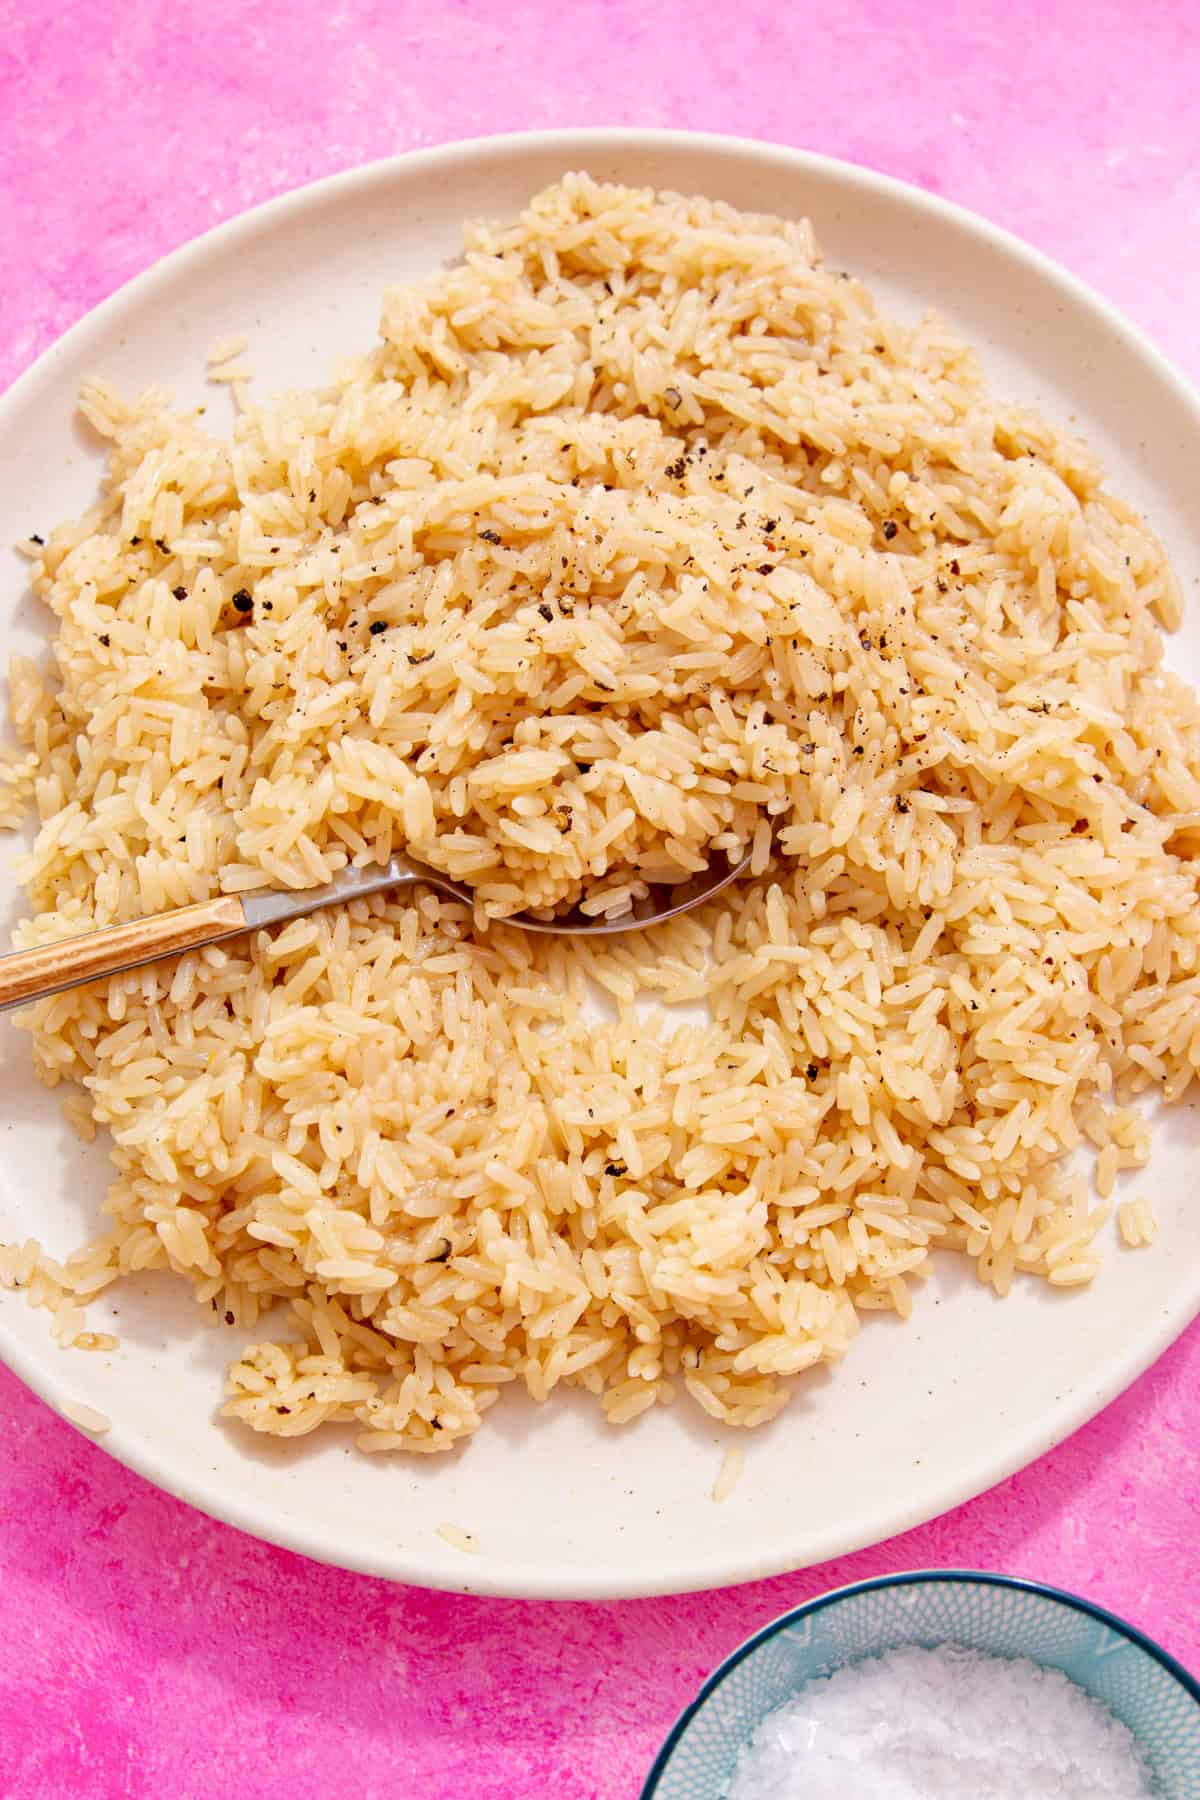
(143, 1649)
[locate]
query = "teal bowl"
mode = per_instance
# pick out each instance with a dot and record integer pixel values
(1145, 1688)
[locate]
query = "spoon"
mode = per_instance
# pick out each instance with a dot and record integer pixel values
(27, 975)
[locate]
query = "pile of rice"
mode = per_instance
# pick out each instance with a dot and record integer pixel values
(641, 538)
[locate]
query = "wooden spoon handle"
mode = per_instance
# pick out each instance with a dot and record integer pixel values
(50, 968)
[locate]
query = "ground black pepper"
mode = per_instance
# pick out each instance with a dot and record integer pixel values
(243, 600)
(377, 625)
(890, 529)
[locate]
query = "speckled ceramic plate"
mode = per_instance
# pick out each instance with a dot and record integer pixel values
(921, 1415)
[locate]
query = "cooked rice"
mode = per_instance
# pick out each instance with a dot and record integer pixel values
(458, 1539)
(1137, 1222)
(234, 373)
(86, 1417)
(225, 349)
(641, 537)
(729, 1474)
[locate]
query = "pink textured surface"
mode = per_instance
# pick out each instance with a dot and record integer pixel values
(143, 1649)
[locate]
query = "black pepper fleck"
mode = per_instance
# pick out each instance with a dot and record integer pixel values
(890, 529)
(243, 600)
(377, 625)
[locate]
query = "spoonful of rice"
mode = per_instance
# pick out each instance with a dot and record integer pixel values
(34, 974)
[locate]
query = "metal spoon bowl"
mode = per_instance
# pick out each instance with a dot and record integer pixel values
(27, 975)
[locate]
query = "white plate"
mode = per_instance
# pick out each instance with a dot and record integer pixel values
(921, 1416)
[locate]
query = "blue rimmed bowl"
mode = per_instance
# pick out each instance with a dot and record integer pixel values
(1115, 1663)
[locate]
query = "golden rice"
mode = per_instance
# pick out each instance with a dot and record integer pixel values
(641, 537)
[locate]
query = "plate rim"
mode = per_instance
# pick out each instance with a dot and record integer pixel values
(744, 1561)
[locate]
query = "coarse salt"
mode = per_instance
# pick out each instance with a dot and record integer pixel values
(921, 1724)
